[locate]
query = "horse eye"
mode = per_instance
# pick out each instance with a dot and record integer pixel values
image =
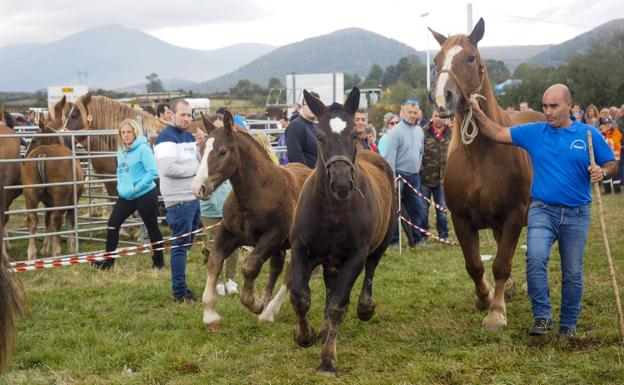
(355, 136)
(471, 58)
(320, 138)
(222, 152)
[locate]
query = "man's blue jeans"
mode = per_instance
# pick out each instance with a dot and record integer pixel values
(570, 227)
(181, 218)
(411, 206)
(441, 217)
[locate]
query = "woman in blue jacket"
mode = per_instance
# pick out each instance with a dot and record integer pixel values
(136, 172)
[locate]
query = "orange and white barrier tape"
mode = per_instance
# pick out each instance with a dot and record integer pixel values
(427, 233)
(437, 206)
(36, 264)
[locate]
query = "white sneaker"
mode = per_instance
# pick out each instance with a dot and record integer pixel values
(231, 287)
(220, 289)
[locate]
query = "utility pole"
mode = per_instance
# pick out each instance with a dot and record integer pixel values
(426, 14)
(469, 20)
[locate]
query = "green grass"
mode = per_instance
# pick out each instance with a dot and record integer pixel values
(122, 327)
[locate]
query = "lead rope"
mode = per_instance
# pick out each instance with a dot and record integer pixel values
(467, 136)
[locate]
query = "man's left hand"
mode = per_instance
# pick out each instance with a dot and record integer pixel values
(595, 173)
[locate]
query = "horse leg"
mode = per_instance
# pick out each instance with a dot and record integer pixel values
(46, 250)
(366, 303)
(330, 274)
(510, 286)
(69, 223)
(468, 238)
(55, 225)
(266, 246)
(497, 314)
(337, 309)
(31, 223)
(301, 270)
(273, 306)
(225, 244)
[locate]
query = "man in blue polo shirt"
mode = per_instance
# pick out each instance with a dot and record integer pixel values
(560, 200)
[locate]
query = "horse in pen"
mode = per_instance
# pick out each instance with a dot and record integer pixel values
(486, 184)
(44, 171)
(345, 219)
(258, 212)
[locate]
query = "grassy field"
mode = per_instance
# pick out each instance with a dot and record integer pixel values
(122, 327)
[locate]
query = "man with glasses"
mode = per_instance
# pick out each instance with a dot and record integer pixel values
(404, 154)
(301, 142)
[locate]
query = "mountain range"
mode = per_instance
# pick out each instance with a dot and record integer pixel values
(116, 57)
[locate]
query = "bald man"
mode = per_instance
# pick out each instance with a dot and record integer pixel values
(560, 200)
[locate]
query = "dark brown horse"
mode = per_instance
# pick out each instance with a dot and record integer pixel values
(9, 172)
(50, 171)
(486, 184)
(258, 212)
(10, 296)
(345, 219)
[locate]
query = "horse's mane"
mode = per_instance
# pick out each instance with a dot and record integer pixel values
(107, 114)
(242, 133)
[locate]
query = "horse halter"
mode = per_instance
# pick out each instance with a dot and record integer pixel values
(338, 158)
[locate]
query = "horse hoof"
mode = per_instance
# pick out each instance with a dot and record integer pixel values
(327, 369)
(366, 312)
(307, 340)
(265, 317)
(494, 322)
(213, 326)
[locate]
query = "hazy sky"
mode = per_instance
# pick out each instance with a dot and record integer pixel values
(211, 24)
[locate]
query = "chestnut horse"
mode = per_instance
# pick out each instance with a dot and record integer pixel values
(9, 173)
(486, 184)
(102, 113)
(50, 171)
(10, 295)
(345, 219)
(258, 212)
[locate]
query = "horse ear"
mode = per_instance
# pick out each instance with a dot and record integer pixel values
(41, 125)
(87, 98)
(477, 33)
(316, 105)
(353, 101)
(438, 36)
(228, 121)
(58, 109)
(208, 125)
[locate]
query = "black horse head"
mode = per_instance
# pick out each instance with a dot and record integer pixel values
(337, 138)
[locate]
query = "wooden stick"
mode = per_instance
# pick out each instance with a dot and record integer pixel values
(618, 305)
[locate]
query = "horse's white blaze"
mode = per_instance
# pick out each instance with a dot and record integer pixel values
(202, 173)
(337, 125)
(443, 78)
(274, 306)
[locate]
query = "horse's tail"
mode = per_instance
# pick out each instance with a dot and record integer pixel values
(10, 297)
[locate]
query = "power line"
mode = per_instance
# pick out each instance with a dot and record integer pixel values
(545, 21)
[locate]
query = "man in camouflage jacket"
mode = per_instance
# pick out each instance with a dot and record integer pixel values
(437, 137)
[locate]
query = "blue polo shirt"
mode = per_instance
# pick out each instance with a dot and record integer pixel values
(560, 158)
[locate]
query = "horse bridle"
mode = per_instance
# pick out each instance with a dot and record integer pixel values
(461, 86)
(338, 158)
(468, 137)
